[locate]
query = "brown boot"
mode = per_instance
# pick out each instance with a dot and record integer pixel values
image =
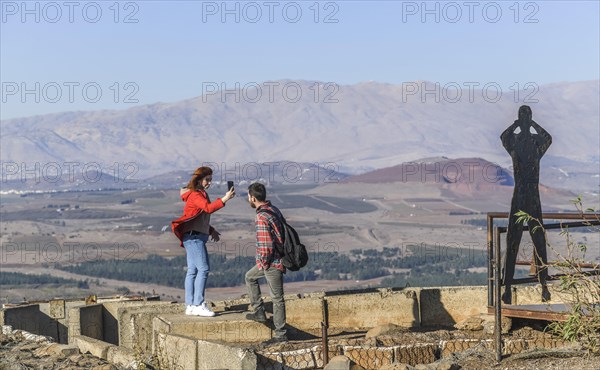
(258, 316)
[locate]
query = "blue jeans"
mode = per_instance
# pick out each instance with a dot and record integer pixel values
(197, 268)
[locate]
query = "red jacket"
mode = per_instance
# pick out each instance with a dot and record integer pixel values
(196, 202)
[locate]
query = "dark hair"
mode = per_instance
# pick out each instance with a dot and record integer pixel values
(197, 176)
(258, 191)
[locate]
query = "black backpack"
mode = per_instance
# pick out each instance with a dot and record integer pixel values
(293, 251)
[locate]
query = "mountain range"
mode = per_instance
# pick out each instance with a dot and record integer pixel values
(350, 129)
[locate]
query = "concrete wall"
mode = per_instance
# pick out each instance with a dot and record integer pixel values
(29, 318)
(180, 352)
(130, 322)
(100, 320)
(366, 310)
(51, 318)
(87, 321)
(135, 323)
(448, 305)
(48, 318)
(111, 324)
(124, 357)
(177, 352)
(305, 314)
(358, 310)
(154, 326)
(230, 328)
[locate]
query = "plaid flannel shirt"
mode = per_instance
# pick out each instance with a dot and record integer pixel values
(268, 233)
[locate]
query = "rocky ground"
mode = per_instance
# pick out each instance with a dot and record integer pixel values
(21, 350)
(532, 347)
(530, 360)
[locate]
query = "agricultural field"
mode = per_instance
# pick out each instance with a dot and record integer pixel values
(45, 233)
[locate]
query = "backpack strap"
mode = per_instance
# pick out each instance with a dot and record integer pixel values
(272, 213)
(282, 229)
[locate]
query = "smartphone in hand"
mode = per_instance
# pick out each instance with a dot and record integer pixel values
(229, 185)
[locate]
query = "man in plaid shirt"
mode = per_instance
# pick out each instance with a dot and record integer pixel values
(268, 265)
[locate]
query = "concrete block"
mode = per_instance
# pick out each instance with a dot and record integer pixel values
(87, 321)
(63, 324)
(447, 306)
(369, 358)
(135, 323)
(88, 317)
(57, 309)
(96, 347)
(224, 356)
(31, 319)
(176, 352)
(159, 326)
(123, 357)
(414, 354)
(304, 313)
(111, 322)
(230, 327)
(367, 310)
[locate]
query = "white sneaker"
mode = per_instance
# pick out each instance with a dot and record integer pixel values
(202, 310)
(189, 309)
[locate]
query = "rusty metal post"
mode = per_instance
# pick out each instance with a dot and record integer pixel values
(490, 253)
(324, 343)
(324, 326)
(498, 291)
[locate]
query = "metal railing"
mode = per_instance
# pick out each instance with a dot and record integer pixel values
(494, 250)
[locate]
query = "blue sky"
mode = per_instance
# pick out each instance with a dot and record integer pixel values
(163, 51)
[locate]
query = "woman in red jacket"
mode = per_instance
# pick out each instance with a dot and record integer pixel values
(193, 230)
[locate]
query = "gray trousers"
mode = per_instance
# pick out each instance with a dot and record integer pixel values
(275, 280)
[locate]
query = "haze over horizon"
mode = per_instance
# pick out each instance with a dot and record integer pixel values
(101, 55)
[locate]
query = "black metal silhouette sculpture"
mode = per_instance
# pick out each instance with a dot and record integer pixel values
(526, 149)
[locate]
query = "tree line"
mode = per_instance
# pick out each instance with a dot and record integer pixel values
(432, 265)
(17, 278)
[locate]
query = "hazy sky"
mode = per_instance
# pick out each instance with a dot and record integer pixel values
(81, 55)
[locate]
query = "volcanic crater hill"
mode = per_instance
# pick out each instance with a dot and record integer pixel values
(459, 177)
(477, 172)
(364, 126)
